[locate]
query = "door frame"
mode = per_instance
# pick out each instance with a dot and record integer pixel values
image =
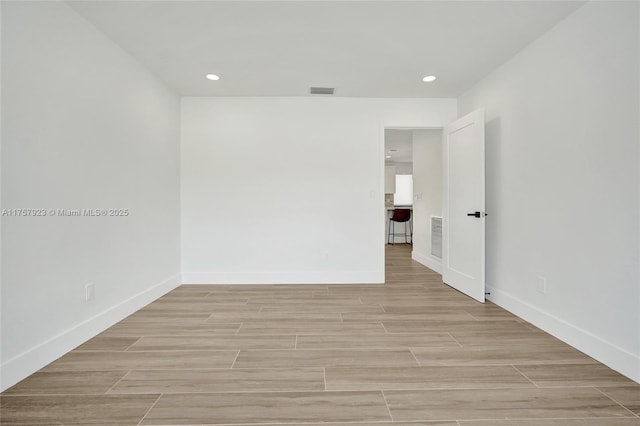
(381, 193)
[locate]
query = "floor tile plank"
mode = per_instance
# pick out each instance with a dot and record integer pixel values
(429, 316)
(66, 383)
(325, 358)
(320, 308)
(504, 337)
(168, 328)
(295, 326)
(386, 423)
(271, 316)
(616, 421)
(346, 341)
(222, 342)
(501, 404)
(501, 355)
(223, 380)
(177, 307)
(286, 407)
(459, 326)
(106, 361)
(575, 375)
(78, 409)
(107, 343)
(628, 396)
(425, 378)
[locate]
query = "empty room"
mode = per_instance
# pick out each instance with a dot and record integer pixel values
(320, 213)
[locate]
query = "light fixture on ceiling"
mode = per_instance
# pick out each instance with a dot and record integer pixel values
(387, 156)
(429, 78)
(213, 77)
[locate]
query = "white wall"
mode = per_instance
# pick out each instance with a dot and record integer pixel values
(402, 167)
(562, 182)
(83, 126)
(289, 190)
(427, 190)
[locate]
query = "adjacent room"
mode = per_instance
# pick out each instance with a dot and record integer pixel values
(320, 212)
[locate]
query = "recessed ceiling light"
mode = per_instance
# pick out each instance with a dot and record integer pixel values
(212, 77)
(387, 156)
(429, 78)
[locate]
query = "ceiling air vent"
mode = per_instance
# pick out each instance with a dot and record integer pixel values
(321, 90)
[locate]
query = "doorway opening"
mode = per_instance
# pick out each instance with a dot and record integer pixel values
(413, 182)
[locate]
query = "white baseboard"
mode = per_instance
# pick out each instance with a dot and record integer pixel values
(27, 363)
(428, 261)
(611, 355)
(310, 277)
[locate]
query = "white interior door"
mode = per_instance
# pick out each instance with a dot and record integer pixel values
(463, 206)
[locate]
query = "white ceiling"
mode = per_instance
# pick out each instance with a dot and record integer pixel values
(362, 48)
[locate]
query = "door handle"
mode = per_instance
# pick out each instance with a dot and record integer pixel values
(475, 214)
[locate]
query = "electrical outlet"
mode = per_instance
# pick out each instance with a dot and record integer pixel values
(542, 285)
(89, 292)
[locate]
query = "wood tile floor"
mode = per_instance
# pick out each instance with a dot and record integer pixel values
(410, 352)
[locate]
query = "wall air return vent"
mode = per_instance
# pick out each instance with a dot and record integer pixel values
(436, 236)
(321, 90)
